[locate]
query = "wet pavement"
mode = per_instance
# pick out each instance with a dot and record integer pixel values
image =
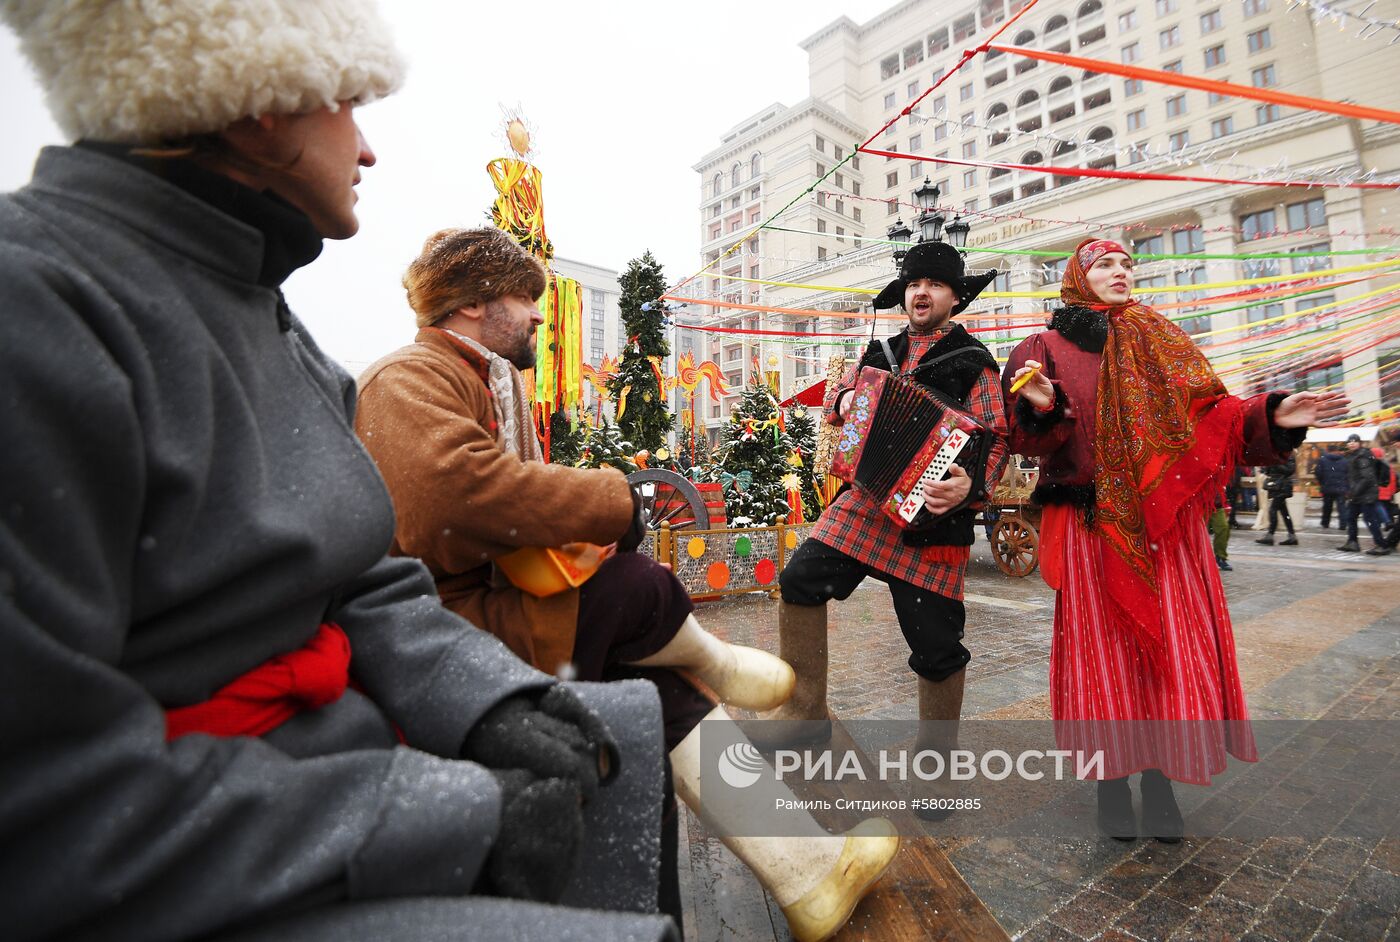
(1318, 638)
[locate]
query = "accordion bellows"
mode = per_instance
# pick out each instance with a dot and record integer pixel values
(899, 436)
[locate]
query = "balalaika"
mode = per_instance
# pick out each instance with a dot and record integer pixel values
(900, 436)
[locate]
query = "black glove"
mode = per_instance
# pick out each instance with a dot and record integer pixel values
(537, 845)
(551, 736)
(637, 532)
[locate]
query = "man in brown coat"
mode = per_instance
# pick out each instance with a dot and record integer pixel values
(448, 421)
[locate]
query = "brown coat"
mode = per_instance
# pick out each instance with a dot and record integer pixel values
(427, 418)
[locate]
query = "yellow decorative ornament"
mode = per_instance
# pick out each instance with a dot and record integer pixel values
(795, 459)
(791, 482)
(622, 400)
(662, 454)
(695, 547)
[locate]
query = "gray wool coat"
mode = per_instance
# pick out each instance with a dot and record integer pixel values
(182, 497)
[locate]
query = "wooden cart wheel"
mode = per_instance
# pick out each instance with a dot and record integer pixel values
(1016, 546)
(667, 497)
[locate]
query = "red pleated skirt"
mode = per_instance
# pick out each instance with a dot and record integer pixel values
(1181, 716)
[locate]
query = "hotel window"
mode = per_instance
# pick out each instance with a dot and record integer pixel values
(855, 213)
(889, 66)
(840, 233)
(715, 232)
(969, 149)
(892, 178)
(1188, 241)
(1311, 213)
(916, 170)
(821, 199)
(597, 334)
(1137, 119)
(911, 90)
(1309, 258)
(970, 206)
(940, 132)
(891, 207)
(821, 225)
(821, 145)
(969, 178)
(1132, 52)
(965, 92)
(1252, 7)
(840, 207)
(1179, 141)
(840, 181)
(855, 188)
(1215, 98)
(821, 253)
(1132, 87)
(1127, 21)
(1259, 40)
(916, 142)
(1214, 56)
(1173, 66)
(913, 55)
(1166, 6)
(1258, 225)
(1210, 22)
(940, 104)
(1169, 37)
(891, 130)
(1264, 76)
(1266, 313)
(1152, 245)
(1176, 106)
(855, 162)
(1222, 126)
(1266, 114)
(889, 100)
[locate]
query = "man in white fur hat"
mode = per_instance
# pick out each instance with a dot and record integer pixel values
(229, 713)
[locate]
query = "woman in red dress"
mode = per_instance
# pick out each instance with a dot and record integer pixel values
(1136, 435)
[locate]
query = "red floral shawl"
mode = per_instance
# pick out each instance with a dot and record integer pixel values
(1165, 423)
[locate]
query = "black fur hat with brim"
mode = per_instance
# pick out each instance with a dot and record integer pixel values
(937, 261)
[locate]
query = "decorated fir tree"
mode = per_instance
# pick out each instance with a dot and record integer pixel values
(802, 429)
(752, 458)
(692, 457)
(643, 416)
(566, 437)
(605, 447)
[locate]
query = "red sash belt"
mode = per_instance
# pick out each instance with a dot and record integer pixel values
(271, 693)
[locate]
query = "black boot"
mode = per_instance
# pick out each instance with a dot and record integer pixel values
(1267, 539)
(1160, 816)
(1116, 809)
(1291, 541)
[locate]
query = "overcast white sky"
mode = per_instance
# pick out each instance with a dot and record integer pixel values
(624, 97)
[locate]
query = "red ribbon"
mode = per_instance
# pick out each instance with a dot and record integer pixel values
(271, 693)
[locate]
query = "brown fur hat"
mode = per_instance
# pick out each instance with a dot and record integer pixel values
(459, 267)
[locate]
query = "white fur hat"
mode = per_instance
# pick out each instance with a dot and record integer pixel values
(147, 71)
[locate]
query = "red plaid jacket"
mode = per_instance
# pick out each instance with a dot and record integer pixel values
(855, 525)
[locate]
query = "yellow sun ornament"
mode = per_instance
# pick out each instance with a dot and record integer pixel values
(791, 482)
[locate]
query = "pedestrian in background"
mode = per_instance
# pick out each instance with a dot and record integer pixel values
(1278, 484)
(1385, 490)
(1218, 523)
(1331, 474)
(1363, 485)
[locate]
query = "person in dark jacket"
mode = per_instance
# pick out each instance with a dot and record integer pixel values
(1278, 484)
(228, 710)
(1363, 484)
(1331, 473)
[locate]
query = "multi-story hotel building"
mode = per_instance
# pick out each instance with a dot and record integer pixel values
(1010, 109)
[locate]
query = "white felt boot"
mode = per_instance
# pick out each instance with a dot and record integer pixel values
(817, 878)
(744, 677)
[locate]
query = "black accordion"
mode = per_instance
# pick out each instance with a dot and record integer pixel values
(900, 436)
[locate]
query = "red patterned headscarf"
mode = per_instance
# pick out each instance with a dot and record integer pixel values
(1160, 444)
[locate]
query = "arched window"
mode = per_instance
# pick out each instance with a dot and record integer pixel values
(1089, 6)
(1062, 148)
(734, 176)
(753, 166)
(1029, 96)
(1032, 157)
(1101, 133)
(997, 110)
(1024, 38)
(719, 183)
(1061, 82)
(1055, 22)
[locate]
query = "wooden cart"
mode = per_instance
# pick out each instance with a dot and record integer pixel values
(1012, 522)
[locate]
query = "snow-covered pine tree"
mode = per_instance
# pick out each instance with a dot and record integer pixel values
(605, 447)
(802, 429)
(752, 458)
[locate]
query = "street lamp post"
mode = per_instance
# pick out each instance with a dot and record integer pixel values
(930, 222)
